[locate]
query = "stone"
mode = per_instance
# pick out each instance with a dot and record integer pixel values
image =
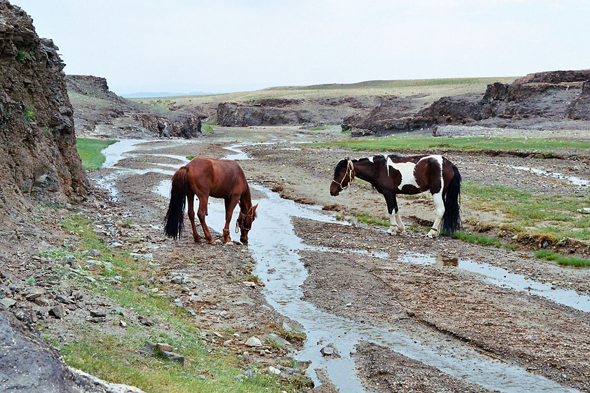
(274, 370)
(330, 351)
(98, 313)
(58, 311)
(95, 253)
(253, 342)
(164, 347)
(177, 280)
(173, 357)
(145, 321)
(275, 338)
(7, 302)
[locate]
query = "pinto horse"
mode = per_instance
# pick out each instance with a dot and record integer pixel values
(205, 177)
(392, 175)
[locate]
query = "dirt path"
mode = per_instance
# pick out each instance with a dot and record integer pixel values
(378, 285)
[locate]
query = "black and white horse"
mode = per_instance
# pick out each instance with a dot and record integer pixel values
(392, 175)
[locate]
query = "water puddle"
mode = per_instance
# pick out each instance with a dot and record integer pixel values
(576, 181)
(503, 278)
(279, 265)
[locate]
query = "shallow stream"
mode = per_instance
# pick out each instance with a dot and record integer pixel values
(280, 267)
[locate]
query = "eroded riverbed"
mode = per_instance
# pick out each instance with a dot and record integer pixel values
(297, 248)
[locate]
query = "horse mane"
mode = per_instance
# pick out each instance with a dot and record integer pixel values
(341, 164)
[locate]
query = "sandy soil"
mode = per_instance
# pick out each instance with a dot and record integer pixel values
(452, 305)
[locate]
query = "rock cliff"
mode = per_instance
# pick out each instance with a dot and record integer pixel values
(553, 99)
(98, 112)
(38, 157)
(304, 112)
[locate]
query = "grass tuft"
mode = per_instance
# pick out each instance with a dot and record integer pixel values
(560, 259)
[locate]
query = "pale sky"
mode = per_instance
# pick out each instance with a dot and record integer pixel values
(184, 46)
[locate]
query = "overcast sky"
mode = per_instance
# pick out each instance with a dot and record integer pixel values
(186, 46)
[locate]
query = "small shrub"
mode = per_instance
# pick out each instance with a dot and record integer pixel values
(29, 114)
(22, 56)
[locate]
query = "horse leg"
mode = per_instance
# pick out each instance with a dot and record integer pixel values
(191, 215)
(230, 205)
(439, 210)
(395, 221)
(201, 214)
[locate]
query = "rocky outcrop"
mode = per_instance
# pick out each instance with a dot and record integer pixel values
(529, 101)
(295, 112)
(185, 126)
(579, 109)
(395, 115)
(29, 365)
(38, 156)
(100, 112)
(238, 115)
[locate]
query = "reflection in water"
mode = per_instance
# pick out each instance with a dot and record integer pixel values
(444, 260)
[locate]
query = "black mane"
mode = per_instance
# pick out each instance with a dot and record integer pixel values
(341, 164)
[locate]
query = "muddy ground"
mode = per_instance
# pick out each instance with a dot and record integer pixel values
(452, 307)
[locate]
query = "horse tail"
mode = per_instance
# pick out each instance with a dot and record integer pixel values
(174, 220)
(452, 218)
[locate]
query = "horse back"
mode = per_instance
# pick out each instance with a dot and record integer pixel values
(216, 178)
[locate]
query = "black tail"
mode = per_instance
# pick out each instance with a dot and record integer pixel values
(174, 220)
(452, 219)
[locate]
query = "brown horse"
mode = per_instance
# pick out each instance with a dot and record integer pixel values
(392, 175)
(205, 177)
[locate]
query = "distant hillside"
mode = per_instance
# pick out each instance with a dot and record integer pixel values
(98, 112)
(310, 106)
(161, 94)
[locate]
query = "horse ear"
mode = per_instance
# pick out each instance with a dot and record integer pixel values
(254, 210)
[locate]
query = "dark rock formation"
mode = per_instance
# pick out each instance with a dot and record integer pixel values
(99, 111)
(38, 157)
(185, 126)
(392, 115)
(238, 115)
(29, 365)
(533, 100)
(302, 112)
(579, 109)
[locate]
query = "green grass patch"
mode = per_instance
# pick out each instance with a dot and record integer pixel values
(113, 354)
(405, 142)
(556, 216)
(208, 127)
(482, 240)
(365, 218)
(90, 152)
(318, 128)
(560, 259)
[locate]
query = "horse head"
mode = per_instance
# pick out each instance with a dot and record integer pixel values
(343, 175)
(245, 221)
